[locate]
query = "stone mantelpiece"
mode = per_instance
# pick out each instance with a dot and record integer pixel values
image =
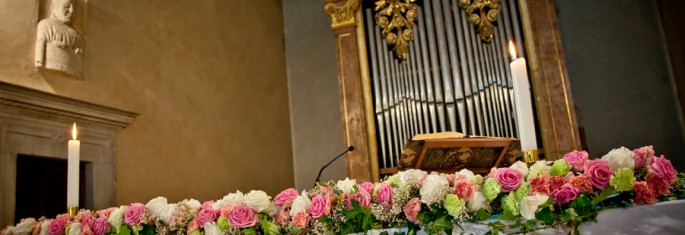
(37, 123)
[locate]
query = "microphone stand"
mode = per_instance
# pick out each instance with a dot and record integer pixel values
(318, 177)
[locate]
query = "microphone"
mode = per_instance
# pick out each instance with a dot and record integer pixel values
(349, 149)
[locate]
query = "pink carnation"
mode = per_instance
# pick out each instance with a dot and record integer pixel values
(599, 173)
(321, 206)
(555, 182)
(105, 212)
(582, 183)
(367, 186)
(539, 184)
(464, 190)
(642, 154)
(207, 204)
(192, 226)
(363, 197)
(57, 226)
(384, 196)
(411, 210)
(87, 223)
(658, 183)
(285, 196)
(226, 210)
(577, 159)
(37, 227)
(643, 193)
(100, 226)
(283, 215)
(242, 217)
(510, 179)
(134, 213)
(564, 194)
(301, 220)
(206, 215)
(662, 166)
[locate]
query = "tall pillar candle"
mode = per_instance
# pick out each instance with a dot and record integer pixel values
(524, 108)
(73, 170)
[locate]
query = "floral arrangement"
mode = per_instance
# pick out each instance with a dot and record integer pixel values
(519, 198)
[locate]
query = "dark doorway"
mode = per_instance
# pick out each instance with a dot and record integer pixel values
(42, 187)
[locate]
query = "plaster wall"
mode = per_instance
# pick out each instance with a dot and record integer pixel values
(208, 78)
(620, 77)
(317, 132)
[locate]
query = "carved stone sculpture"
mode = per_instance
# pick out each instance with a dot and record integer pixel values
(59, 46)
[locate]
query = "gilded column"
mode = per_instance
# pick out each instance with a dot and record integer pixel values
(354, 106)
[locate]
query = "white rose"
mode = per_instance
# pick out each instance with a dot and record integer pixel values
(477, 202)
(258, 200)
(25, 227)
(468, 174)
(236, 198)
(116, 218)
(529, 205)
(412, 176)
(620, 158)
(212, 229)
(75, 229)
(434, 189)
(192, 203)
(45, 226)
(157, 205)
(520, 167)
(9, 230)
(301, 204)
(166, 213)
(218, 204)
(346, 186)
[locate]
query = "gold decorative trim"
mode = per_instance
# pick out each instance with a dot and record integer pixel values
(530, 156)
(341, 14)
(396, 18)
(73, 211)
(482, 13)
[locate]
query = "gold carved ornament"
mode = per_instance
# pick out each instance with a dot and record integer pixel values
(396, 18)
(342, 14)
(482, 13)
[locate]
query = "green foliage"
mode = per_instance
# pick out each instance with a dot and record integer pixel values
(269, 227)
(147, 229)
(122, 230)
(481, 214)
(223, 224)
(441, 224)
(249, 231)
(359, 219)
(606, 193)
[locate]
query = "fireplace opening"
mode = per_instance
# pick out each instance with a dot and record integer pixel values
(41, 188)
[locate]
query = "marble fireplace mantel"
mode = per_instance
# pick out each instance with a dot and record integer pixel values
(37, 123)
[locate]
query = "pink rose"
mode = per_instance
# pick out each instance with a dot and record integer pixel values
(577, 159)
(367, 186)
(642, 154)
(100, 226)
(301, 220)
(63, 216)
(285, 196)
(662, 166)
(283, 215)
(411, 210)
(643, 193)
(87, 223)
(192, 226)
(464, 190)
(510, 179)
(242, 217)
(82, 214)
(57, 226)
(564, 194)
(598, 172)
(363, 197)
(207, 204)
(658, 183)
(86, 231)
(134, 213)
(105, 212)
(384, 196)
(320, 206)
(226, 210)
(205, 215)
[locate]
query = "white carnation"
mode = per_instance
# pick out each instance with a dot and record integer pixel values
(75, 229)
(212, 229)
(477, 202)
(258, 200)
(520, 167)
(116, 218)
(346, 186)
(412, 176)
(192, 203)
(434, 189)
(45, 226)
(620, 158)
(25, 227)
(542, 164)
(468, 174)
(236, 198)
(529, 205)
(9, 230)
(301, 204)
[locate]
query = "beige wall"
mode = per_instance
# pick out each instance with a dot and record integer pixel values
(208, 78)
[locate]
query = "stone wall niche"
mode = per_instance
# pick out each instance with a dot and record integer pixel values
(38, 124)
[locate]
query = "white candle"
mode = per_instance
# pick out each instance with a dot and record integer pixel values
(524, 108)
(73, 170)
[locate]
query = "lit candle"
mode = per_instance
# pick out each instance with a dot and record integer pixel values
(524, 108)
(73, 170)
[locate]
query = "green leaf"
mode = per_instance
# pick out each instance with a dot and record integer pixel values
(197, 232)
(545, 215)
(249, 231)
(123, 230)
(481, 214)
(606, 193)
(223, 224)
(441, 224)
(567, 215)
(347, 228)
(147, 230)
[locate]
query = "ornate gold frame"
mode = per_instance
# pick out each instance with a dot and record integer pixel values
(553, 98)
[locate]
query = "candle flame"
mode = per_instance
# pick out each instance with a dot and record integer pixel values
(73, 131)
(512, 50)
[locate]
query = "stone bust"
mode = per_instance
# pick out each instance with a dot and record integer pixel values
(59, 46)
